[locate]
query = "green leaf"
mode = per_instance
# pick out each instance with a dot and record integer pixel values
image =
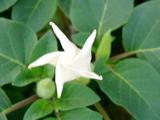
(65, 6)
(46, 44)
(100, 14)
(76, 96)
(80, 39)
(16, 45)
(50, 118)
(5, 4)
(38, 109)
(34, 75)
(141, 34)
(133, 84)
(104, 48)
(80, 114)
(4, 101)
(34, 13)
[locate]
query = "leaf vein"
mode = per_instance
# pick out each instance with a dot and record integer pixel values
(102, 17)
(121, 77)
(12, 60)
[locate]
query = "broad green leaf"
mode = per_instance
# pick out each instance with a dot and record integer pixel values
(141, 34)
(50, 118)
(16, 45)
(80, 114)
(38, 109)
(133, 84)
(46, 44)
(80, 39)
(5, 4)
(34, 13)
(65, 6)
(76, 96)
(104, 48)
(4, 101)
(34, 75)
(102, 15)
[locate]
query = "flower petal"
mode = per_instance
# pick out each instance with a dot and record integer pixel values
(83, 59)
(90, 75)
(63, 75)
(65, 42)
(58, 80)
(84, 73)
(89, 42)
(49, 58)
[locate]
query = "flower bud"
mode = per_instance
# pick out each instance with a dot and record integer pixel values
(104, 48)
(45, 88)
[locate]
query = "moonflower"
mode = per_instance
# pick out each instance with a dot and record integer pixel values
(71, 63)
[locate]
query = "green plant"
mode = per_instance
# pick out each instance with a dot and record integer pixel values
(125, 52)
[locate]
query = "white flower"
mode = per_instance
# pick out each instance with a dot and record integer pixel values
(71, 63)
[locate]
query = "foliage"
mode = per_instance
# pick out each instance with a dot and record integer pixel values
(126, 52)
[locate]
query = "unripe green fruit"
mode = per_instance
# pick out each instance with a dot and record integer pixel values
(45, 88)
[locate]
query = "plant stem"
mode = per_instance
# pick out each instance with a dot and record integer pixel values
(20, 105)
(122, 55)
(127, 54)
(57, 115)
(102, 111)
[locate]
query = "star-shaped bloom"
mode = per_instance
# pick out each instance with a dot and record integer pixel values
(71, 63)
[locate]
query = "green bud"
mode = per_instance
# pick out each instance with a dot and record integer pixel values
(104, 48)
(45, 88)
